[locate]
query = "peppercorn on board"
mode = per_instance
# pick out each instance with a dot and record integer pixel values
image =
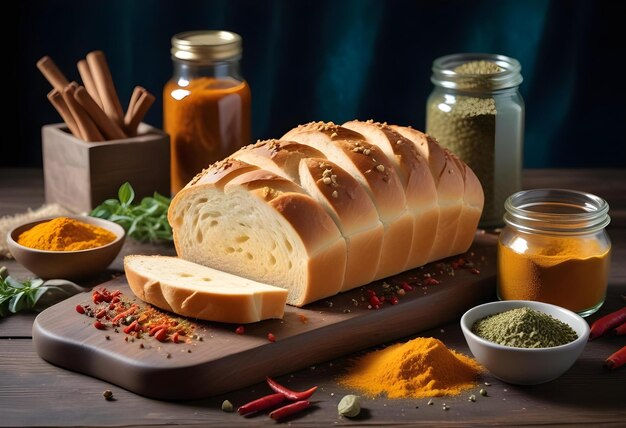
(218, 358)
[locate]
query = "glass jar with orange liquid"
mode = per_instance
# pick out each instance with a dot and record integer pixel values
(206, 104)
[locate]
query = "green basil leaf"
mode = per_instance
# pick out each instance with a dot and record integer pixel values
(126, 194)
(100, 212)
(40, 292)
(36, 282)
(13, 283)
(162, 199)
(17, 302)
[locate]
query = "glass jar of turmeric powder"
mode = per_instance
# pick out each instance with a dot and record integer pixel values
(206, 104)
(554, 249)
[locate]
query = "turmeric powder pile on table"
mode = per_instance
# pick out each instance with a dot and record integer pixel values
(422, 367)
(65, 234)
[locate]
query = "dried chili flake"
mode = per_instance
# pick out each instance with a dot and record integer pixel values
(374, 301)
(430, 281)
(112, 308)
(271, 337)
(240, 330)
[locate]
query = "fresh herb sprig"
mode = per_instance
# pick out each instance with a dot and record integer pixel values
(146, 221)
(18, 296)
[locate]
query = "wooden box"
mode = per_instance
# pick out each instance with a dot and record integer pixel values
(80, 175)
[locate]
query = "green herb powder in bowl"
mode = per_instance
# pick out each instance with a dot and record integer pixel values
(524, 328)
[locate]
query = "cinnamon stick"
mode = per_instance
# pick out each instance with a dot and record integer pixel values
(87, 127)
(141, 108)
(52, 73)
(105, 86)
(108, 128)
(90, 85)
(56, 99)
(133, 102)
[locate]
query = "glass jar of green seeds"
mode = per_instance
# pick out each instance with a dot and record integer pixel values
(477, 112)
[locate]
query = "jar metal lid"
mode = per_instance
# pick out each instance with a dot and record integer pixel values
(556, 211)
(206, 46)
(444, 73)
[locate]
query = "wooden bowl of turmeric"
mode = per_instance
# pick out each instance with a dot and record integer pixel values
(72, 247)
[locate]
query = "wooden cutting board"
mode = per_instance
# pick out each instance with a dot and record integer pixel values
(224, 361)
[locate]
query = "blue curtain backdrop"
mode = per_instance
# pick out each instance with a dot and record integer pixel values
(342, 59)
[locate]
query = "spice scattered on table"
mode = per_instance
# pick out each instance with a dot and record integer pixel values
(65, 234)
(349, 406)
(108, 395)
(113, 310)
(227, 406)
(422, 367)
(524, 328)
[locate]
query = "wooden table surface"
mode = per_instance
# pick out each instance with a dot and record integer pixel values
(35, 393)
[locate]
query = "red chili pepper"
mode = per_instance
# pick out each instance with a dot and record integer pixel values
(607, 322)
(240, 330)
(394, 300)
(99, 325)
(289, 409)
(132, 327)
(371, 293)
(175, 337)
(617, 359)
(406, 286)
(619, 330)
(271, 337)
(261, 404)
(474, 271)
(290, 394)
(101, 313)
(80, 309)
(115, 300)
(161, 335)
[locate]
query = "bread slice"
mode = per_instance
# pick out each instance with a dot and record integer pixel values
(260, 226)
(200, 292)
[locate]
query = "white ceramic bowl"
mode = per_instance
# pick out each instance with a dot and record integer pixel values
(525, 366)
